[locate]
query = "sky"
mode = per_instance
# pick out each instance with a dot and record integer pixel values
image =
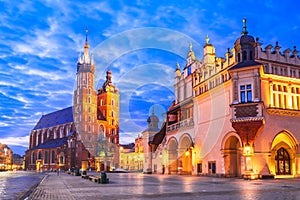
(139, 40)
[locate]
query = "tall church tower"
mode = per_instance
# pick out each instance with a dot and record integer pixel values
(85, 100)
(108, 109)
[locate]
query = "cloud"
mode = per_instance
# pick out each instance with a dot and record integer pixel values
(19, 141)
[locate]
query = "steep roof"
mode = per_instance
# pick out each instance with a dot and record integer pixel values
(52, 143)
(55, 118)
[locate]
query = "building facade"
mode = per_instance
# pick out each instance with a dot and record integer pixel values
(235, 116)
(85, 135)
(6, 158)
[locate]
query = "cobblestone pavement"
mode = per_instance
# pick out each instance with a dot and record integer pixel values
(140, 186)
(15, 185)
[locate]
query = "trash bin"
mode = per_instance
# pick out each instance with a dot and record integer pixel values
(103, 177)
(77, 172)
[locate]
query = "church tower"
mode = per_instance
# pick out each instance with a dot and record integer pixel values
(108, 109)
(85, 100)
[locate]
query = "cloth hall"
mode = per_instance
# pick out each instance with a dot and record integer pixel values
(236, 116)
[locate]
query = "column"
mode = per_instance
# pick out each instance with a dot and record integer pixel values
(271, 94)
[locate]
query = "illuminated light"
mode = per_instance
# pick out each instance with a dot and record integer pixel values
(187, 153)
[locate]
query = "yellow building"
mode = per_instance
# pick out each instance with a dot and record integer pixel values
(234, 116)
(6, 157)
(132, 156)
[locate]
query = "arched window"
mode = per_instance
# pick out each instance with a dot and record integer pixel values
(283, 162)
(251, 56)
(61, 159)
(40, 155)
(32, 158)
(239, 57)
(46, 157)
(53, 157)
(244, 55)
(112, 102)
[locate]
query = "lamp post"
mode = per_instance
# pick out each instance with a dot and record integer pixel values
(5, 154)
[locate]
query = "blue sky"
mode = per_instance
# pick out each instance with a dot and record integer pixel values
(140, 40)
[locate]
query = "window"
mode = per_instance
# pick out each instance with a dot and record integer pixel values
(189, 70)
(245, 93)
(53, 157)
(46, 157)
(244, 55)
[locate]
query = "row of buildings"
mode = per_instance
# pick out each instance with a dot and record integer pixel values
(232, 116)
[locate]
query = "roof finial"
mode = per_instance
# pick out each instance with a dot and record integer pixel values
(177, 65)
(207, 39)
(245, 32)
(153, 110)
(191, 47)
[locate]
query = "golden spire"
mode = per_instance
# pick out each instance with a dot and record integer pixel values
(86, 45)
(207, 39)
(244, 32)
(191, 47)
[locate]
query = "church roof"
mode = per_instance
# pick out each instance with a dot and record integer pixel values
(55, 118)
(52, 143)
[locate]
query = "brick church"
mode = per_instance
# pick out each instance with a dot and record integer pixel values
(83, 136)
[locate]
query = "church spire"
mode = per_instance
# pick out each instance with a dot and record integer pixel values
(86, 45)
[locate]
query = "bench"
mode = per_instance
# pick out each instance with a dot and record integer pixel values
(97, 179)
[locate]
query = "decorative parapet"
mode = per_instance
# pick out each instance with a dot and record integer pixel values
(287, 56)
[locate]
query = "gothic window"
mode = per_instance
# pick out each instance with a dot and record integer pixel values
(112, 113)
(89, 100)
(239, 57)
(101, 102)
(245, 93)
(40, 155)
(251, 56)
(61, 159)
(46, 157)
(53, 157)
(32, 158)
(283, 162)
(112, 102)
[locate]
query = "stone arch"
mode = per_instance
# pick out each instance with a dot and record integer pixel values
(284, 142)
(185, 154)
(172, 147)
(232, 153)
